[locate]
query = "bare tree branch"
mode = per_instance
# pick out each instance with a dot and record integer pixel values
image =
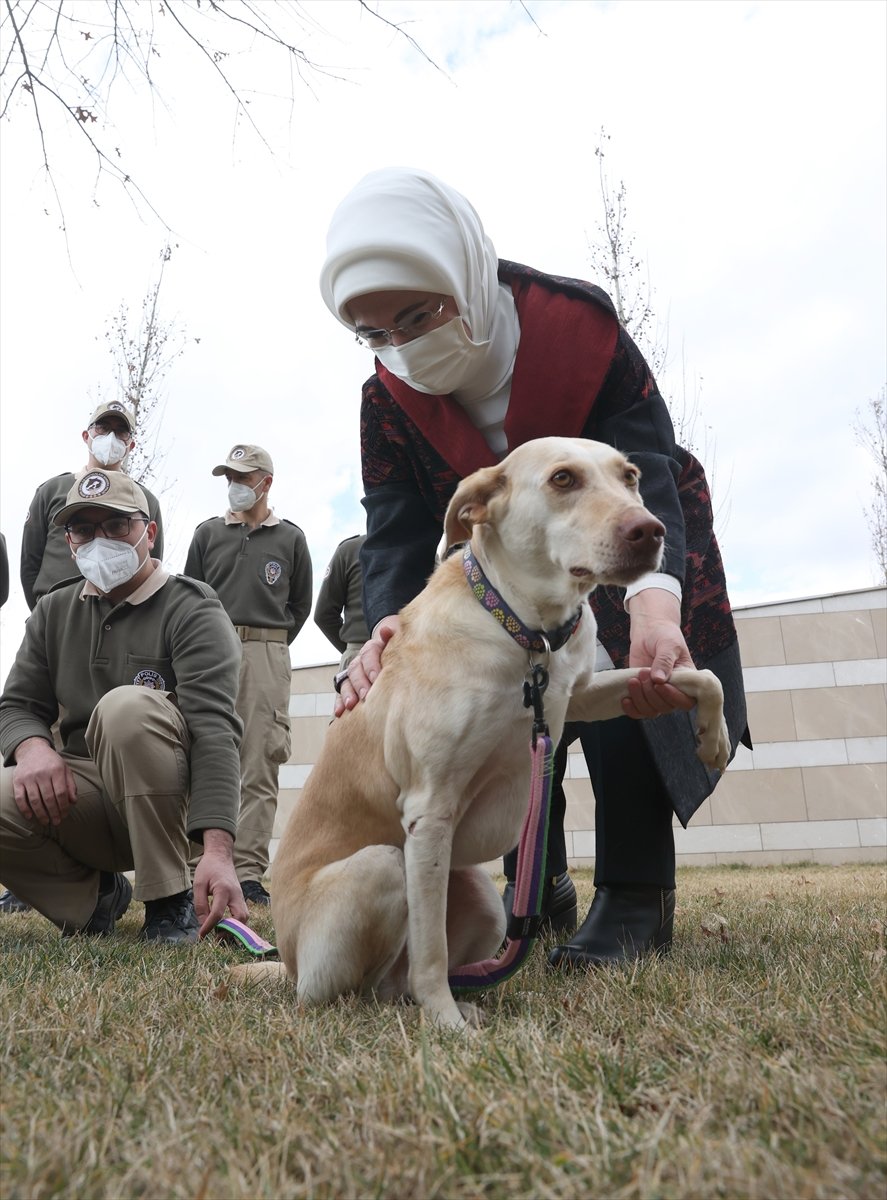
(870, 431)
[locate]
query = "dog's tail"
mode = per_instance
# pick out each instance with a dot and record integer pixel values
(259, 972)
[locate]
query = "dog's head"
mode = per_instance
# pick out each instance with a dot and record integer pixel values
(560, 506)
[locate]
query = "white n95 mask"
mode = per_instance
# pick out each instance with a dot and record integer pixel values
(107, 563)
(241, 497)
(108, 449)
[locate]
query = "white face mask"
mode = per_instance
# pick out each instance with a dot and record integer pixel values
(436, 363)
(241, 497)
(107, 563)
(108, 449)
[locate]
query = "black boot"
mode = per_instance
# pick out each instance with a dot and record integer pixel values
(623, 924)
(558, 904)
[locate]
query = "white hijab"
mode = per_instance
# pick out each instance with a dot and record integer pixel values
(402, 228)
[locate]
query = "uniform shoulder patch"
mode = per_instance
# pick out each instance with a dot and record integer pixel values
(198, 585)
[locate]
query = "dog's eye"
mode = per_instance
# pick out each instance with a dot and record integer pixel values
(563, 479)
(631, 479)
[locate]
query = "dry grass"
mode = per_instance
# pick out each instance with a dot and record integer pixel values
(751, 1063)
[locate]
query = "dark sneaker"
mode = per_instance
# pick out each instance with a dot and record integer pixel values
(11, 904)
(254, 893)
(170, 921)
(115, 893)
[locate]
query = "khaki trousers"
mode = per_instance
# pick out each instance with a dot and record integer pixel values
(131, 813)
(263, 706)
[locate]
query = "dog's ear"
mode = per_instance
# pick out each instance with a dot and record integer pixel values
(471, 502)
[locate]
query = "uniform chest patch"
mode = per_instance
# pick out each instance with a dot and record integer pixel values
(273, 571)
(150, 679)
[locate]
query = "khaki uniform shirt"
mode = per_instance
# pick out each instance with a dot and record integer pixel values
(171, 634)
(262, 576)
(338, 612)
(46, 556)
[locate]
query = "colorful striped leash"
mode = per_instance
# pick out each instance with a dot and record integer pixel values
(529, 887)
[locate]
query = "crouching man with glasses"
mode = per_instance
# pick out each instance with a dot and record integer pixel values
(142, 669)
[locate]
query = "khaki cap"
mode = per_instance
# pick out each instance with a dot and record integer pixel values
(244, 458)
(113, 409)
(104, 489)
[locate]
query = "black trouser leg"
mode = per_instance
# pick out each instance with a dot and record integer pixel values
(633, 815)
(557, 844)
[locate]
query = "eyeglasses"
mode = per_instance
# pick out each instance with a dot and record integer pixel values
(119, 430)
(418, 323)
(111, 527)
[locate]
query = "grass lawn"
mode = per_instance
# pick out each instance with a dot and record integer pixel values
(749, 1063)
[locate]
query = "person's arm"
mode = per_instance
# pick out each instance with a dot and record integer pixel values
(156, 516)
(33, 547)
(4, 571)
(301, 585)
(216, 888)
(194, 560)
(205, 655)
(28, 706)
(331, 600)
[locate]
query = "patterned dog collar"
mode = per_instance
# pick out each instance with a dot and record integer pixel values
(537, 640)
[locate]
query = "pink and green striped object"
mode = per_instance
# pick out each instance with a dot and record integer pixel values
(233, 930)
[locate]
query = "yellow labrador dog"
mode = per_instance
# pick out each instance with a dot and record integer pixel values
(377, 884)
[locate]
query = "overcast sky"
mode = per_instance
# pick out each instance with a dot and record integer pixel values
(751, 138)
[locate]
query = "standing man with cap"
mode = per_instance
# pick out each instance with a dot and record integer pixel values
(45, 556)
(260, 568)
(46, 559)
(338, 613)
(142, 668)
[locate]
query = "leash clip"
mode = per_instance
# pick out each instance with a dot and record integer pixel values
(534, 689)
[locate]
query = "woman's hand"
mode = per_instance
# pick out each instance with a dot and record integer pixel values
(657, 643)
(363, 671)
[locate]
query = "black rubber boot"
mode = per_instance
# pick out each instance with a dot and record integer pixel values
(623, 924)
(559, 910)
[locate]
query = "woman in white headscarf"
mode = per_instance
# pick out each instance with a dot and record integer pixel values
(474, 356)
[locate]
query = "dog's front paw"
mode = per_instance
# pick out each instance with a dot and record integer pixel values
(474, 1017)
(713, 744)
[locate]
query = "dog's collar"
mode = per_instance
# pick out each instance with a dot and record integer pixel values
(538, 640)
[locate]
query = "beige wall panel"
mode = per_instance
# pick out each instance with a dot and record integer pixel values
(760, 642)
(314, 679)
(764, 858)
(286, 802)
(702, 816)
(839, 792)
(771, 716)
(308, 737)
(879, 625)
(580, 804)
(759, 796)
(850, 854)
(839, 712)
(694, 860)
(828, 637)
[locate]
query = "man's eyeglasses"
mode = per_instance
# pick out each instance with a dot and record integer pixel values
(120, 430)
(111, 527)
(418, 323)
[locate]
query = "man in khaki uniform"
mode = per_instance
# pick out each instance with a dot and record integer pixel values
(45, 556)
(142, 667)
(338, 613)
(260, 568)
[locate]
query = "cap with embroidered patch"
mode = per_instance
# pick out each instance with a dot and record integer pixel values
(244, 458)
(103, 489)
(113, 409)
